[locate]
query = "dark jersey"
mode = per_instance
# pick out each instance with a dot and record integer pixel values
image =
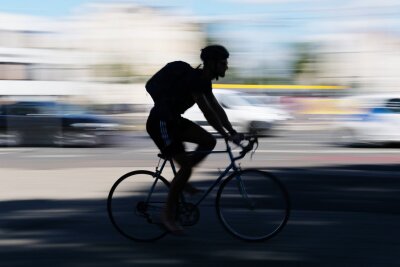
(179, 96)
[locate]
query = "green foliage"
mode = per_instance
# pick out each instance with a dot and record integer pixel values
(121, 72)
(305, 59)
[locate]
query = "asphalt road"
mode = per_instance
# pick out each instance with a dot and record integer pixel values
(345, 207)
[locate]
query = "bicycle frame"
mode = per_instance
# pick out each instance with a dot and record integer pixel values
(231, 166)
(234, 188)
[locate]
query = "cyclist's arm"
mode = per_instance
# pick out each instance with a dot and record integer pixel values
(220, 113)
(210, 115)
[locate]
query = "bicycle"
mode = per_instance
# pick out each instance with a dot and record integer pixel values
(251, 204)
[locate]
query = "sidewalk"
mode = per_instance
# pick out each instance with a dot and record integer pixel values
(65, 184)
(77, 183)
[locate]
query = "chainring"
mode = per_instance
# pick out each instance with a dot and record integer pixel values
(188, 214)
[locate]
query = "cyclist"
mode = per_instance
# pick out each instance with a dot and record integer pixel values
(169, 130)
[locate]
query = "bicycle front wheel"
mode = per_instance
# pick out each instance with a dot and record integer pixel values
(135, 203)
(253, 205)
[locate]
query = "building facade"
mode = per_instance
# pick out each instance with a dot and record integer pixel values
(103, 46)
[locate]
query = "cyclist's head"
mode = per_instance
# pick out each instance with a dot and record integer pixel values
(215, 58)
(213, 52)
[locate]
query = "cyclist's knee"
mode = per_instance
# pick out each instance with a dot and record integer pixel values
(210, 143)
(213, 142)
(186, 170)
(183, 160)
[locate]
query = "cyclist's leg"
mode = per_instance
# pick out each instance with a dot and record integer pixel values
(205, 141)
(188, 132)
(166, 135)
(166, 139)
(176, 187)
(193, 133)
(169, 138)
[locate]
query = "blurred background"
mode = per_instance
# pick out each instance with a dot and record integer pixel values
(318, 81)
(99, 54)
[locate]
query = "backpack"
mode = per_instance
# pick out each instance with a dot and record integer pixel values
(160, 84)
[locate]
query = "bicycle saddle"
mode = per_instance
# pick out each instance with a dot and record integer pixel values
(162, 156)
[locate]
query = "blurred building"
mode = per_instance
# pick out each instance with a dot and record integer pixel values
(33, 48)
(105, 52)
(141, 37)
(94, 54)
(367, 62)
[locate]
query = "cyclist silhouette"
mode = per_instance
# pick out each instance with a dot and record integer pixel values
(174, 89)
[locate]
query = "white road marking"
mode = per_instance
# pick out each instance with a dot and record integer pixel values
(337, 151)
(55, 156)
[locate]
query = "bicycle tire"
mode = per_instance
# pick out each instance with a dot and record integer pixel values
(127, 208)
(260, 213)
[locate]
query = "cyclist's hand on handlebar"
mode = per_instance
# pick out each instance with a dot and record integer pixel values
(237, 138)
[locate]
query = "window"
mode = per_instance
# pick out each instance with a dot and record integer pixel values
(21, 110)
(393, 105)
(13, 71)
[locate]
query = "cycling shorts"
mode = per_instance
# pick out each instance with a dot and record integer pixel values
(166, 134)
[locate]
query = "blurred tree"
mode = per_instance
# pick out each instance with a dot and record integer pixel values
(113, 72)
(304, 63)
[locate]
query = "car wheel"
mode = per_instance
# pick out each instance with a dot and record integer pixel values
(11, 138)
(259, 128)
(77, 139)
(345, 137)
(58, 139)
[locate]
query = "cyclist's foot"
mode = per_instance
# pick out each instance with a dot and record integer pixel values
(172, 227)
(191, 190)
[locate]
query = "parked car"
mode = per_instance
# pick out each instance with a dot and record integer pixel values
(245, 113)
(373, 119)
(54, 123)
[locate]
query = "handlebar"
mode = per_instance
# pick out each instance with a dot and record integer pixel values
(251, 142)
(252, 145)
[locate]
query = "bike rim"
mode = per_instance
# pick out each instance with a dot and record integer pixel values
(132, 212)
(253, 207)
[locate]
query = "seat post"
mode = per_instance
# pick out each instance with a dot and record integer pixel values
(172, 166)
(164, 161)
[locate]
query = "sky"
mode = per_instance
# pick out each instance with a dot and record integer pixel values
(271, 12)
(281, 18)
(289, 8)
(265, 26)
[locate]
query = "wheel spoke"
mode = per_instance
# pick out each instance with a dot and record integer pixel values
(135, 203)
(253, 205)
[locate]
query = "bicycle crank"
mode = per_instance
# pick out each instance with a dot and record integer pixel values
(188, 214)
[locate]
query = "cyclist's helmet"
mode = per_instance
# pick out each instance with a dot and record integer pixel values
(214, 52)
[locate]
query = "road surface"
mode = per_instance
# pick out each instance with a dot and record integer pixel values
(346, 204)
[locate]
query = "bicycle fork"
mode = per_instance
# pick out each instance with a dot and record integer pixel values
(144, 207)
(239, 182)
(242, 190)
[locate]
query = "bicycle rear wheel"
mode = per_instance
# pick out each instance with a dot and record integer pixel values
(253, 205)
(135, 203)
